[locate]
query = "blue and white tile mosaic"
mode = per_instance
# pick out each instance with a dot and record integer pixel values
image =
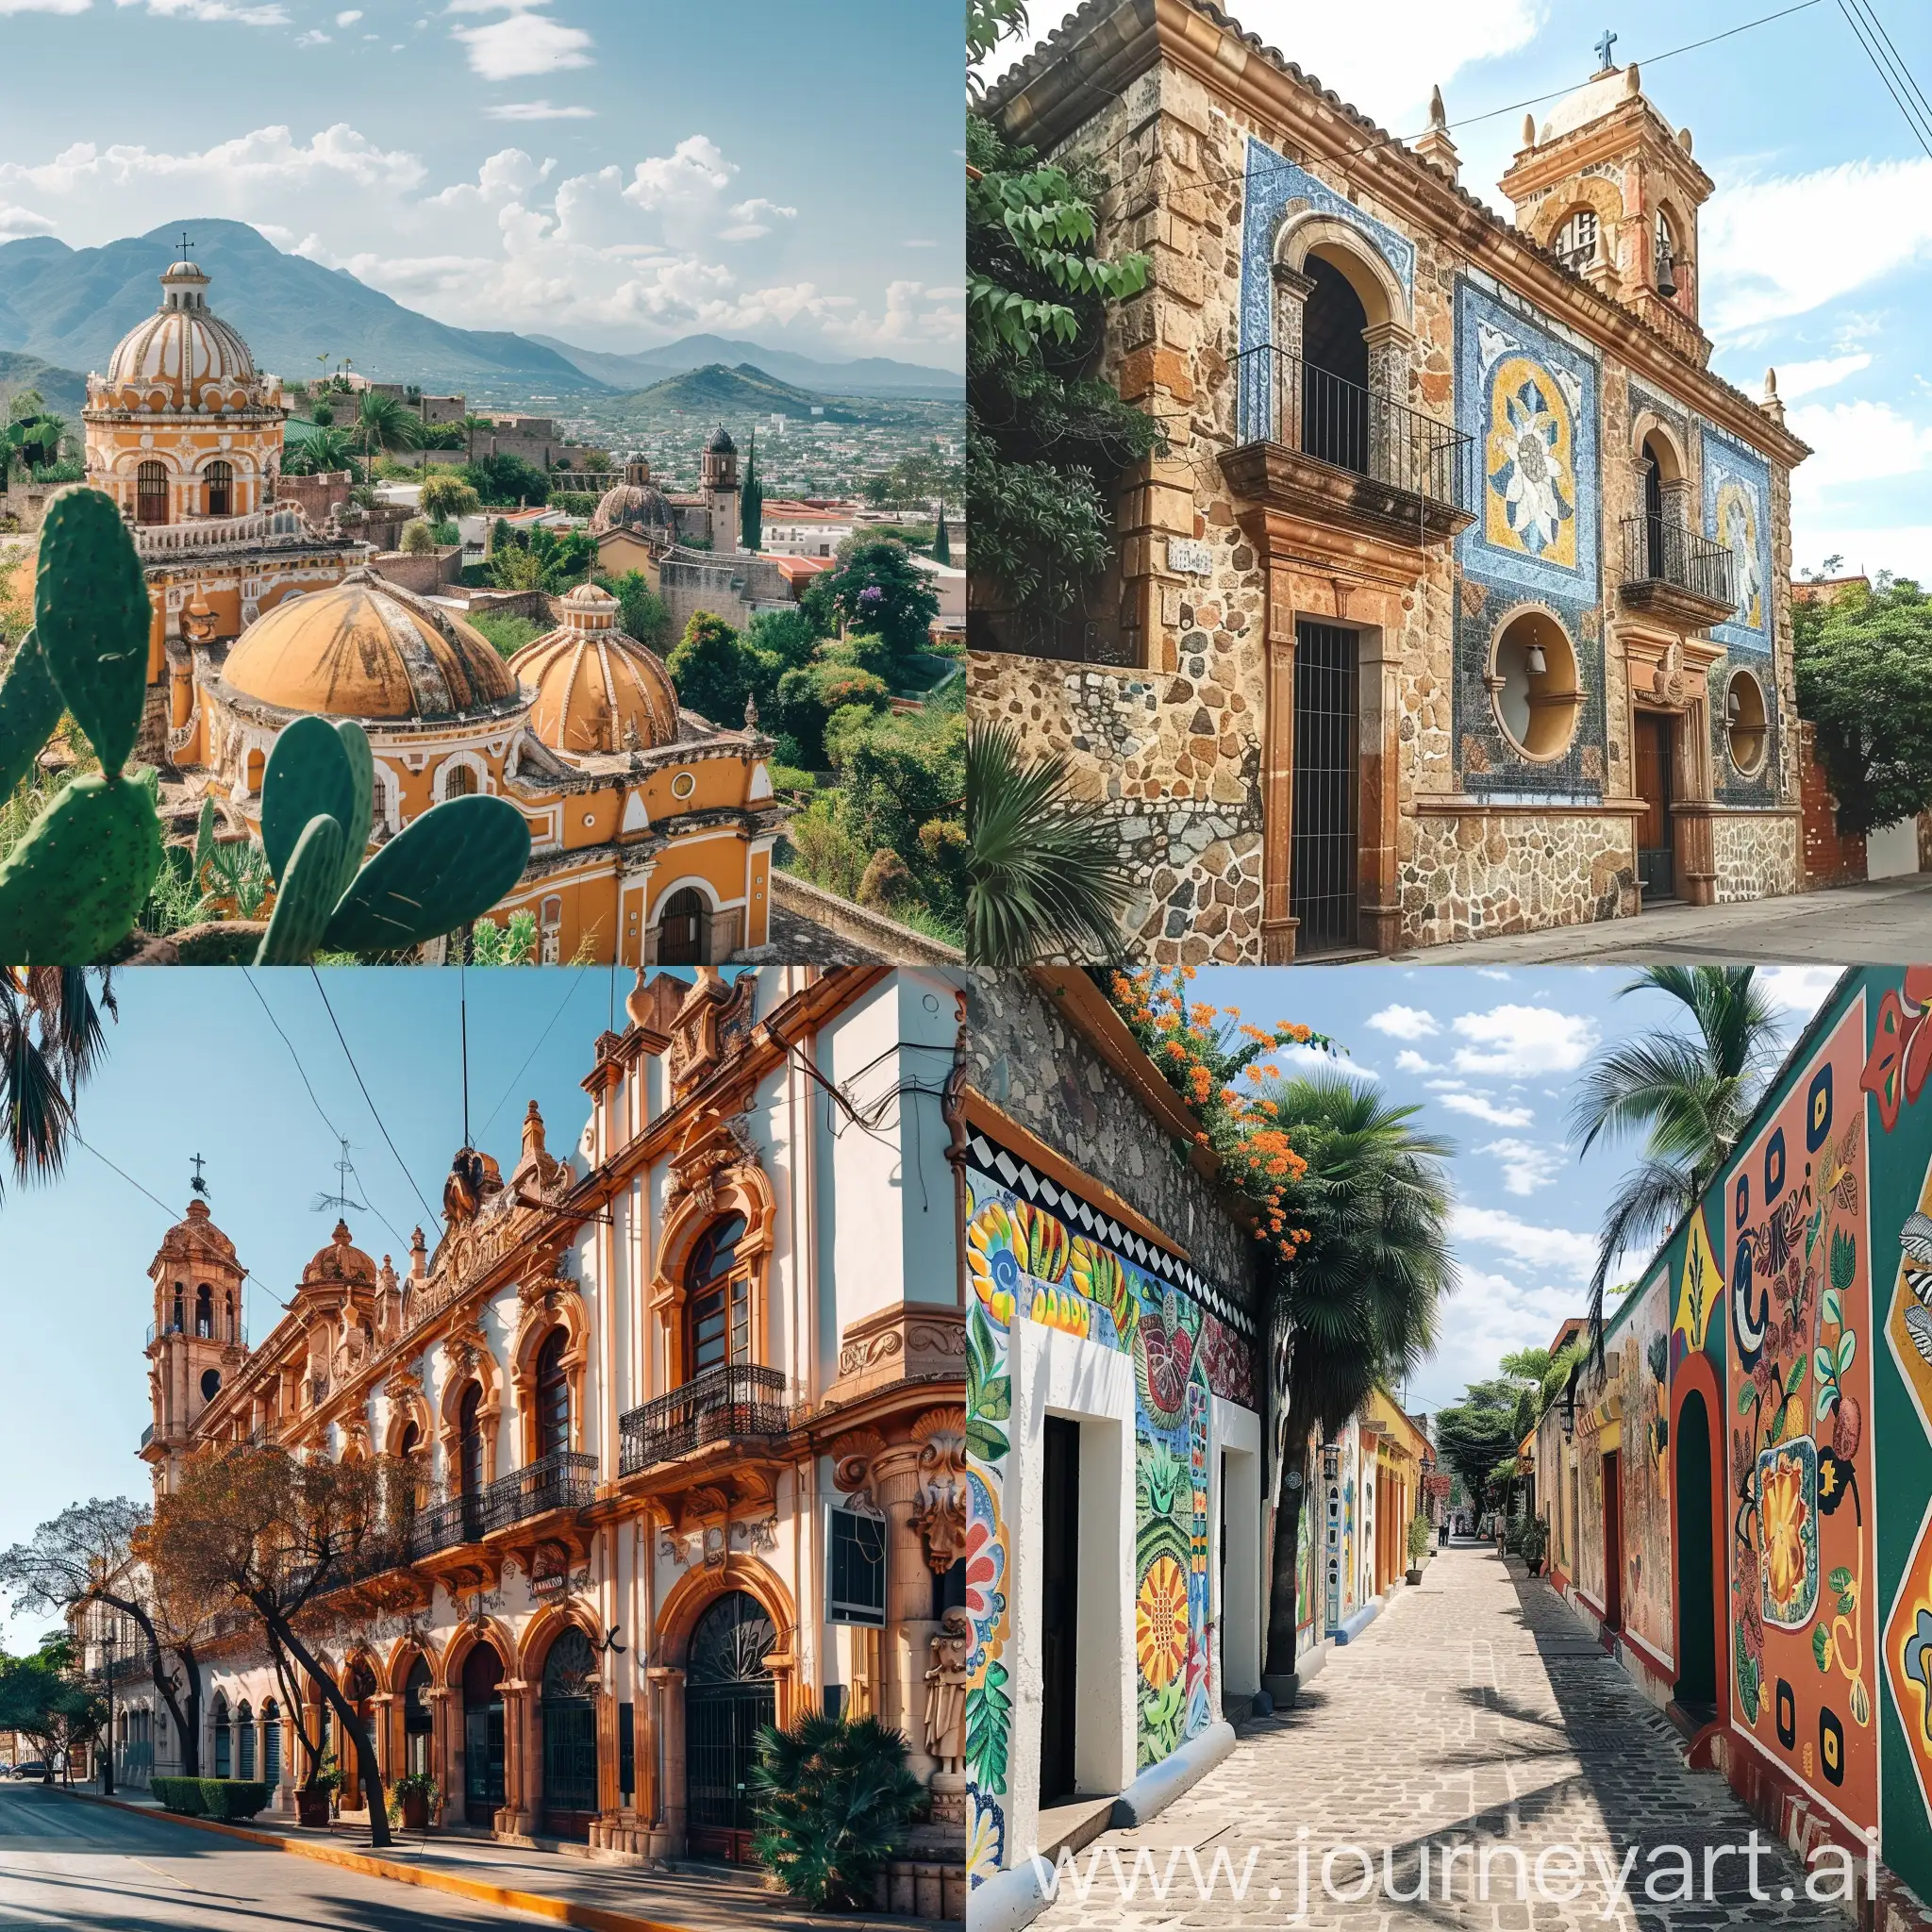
(1737, 512)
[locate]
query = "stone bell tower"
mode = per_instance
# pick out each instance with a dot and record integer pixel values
(197, 1339)
(720, 490)
(1608, 185)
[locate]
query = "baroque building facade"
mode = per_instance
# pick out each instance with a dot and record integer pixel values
(1457, 603)
(685, 1407)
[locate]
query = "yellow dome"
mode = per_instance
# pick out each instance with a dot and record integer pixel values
(340, 1263)
(365, 648)
(183, 356)
(636, 502)
(597, 689)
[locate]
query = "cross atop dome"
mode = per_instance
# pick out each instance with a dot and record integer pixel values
(1603, 52)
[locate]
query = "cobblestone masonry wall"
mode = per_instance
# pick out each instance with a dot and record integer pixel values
(1477, 877)
(1031, 1064)
(1757, 858)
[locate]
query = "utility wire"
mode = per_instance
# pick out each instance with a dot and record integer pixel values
(1898, 59)
(427, 1209)
(569, 993)
(1870, 34)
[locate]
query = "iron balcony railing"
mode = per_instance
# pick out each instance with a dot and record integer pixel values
(147, 1435)
(204, 1331)
(1284, 399)
(733, 1400)
(1658, 550)
(564, 1480)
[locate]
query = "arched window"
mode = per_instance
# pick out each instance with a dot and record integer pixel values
(151, 493)
(218, 477)
(228, 1315)
(272, 1742)
(717, 1304)
(458, 781)
(205, 1312)
(553, 1395)
(180, 1316)
(210, 1383)
(683, 929)
(1664, 260)
(244, 1739)
(470, 1442)
(1577, 240)
(1335, 370)
(223, 1736)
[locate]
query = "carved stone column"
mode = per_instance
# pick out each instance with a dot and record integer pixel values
(1393, 457)
(440, 1767)
(385, 1716)
(1280, 381)
(513, 1819)
(610, 1798)
(1378, 919)
(668, 1837)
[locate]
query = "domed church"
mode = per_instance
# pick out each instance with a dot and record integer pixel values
(651, 827)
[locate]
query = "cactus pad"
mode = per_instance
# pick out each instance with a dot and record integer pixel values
(307, 896)
(441, 871)
(316, 769)
(94, 617)
(29, 710)
(70, 891)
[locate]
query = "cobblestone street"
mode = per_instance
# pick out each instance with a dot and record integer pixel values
(1475, 1710)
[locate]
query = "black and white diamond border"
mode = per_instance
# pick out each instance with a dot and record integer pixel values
(1009, 1171)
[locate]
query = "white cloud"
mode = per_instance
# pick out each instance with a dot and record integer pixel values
(1555, 1248)
(16, 222)
(1788, 244)
(525, 43)
(44, 5)
(350, 17)
(1516, 1042)
(1855, 442)
(314, 38)
(213, 10)
(1799, 989)
(1795, 380)
(1409, 1061)
(1404, 1023)
(1527, 1165)
(752, 219)
(538, 110)
(1489, 1316)
(1480, 1107)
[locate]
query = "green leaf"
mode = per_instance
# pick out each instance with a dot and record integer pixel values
(1796, 1377)
(29, 711)
(94, 615)
(318, 768)
(1745, 1398)
(1847, 1348)
(984, 1441)
(1832, 1309)
(995, 1402)
(1821, 1646)
(307, 898)
(441, 872)
(1847, 1604)
(70, 891)
(1821, 1362)
(1839, 1580)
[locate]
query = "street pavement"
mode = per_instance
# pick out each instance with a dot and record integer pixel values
(1882, 922)
(66, 1862)
(1474, 1711)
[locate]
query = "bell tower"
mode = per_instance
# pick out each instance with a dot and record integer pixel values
(720, 490)
(1610, 186)
(197, 1337)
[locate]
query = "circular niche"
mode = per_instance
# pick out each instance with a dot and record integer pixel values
(1534, 682)
(1747, 732)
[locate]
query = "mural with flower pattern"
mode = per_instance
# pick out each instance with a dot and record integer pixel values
(1025, 1263)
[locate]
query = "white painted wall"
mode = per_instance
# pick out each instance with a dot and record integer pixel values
(1892, 851)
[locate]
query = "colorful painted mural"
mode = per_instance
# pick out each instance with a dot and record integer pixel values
(1737, 512)
(1026, 1262)
(1643, 1349)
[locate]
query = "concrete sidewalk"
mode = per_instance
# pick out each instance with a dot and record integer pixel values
(574, 1888)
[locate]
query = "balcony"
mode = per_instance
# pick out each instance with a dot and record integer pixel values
(733, 1402)
(1677, 574)
(147, 1435)
(202, 1331)
(1323, 449)
(564, 1480)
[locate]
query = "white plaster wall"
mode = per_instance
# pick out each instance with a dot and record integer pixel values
(1234, 1574)
(1891, 851)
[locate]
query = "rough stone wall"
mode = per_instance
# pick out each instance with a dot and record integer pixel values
(1831, 858)
(1478, 877)
(1757, 856)
(1027, 1059)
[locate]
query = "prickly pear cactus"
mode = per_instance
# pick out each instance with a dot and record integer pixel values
(309, 886)
(317, 767)
(72, 889)
(441, 871)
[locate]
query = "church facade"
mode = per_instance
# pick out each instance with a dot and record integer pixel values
(1457, 603)
(685, 1411)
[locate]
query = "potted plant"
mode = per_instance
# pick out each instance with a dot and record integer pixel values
(411, 1799)
(1536, 1544)
(316, 1799)
(1418, 1546)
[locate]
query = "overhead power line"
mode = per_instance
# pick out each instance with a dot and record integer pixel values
(1888, 65)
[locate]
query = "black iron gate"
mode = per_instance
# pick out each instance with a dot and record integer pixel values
(482, 1762)
(1323, 856)
(569, 1737)
(728, 1696)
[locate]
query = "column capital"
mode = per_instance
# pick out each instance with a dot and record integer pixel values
(1292, 281)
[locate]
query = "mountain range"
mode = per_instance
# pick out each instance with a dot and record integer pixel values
(69, 306)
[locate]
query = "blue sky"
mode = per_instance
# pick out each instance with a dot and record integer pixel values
(614, 172)
(195, 1066)
(1816, 247)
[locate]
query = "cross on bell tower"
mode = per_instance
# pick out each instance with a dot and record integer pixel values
(198, 1185)
(1602, 51)
(187, 246)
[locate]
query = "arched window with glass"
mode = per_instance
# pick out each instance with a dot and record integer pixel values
(220, 478)
(151, 493)
(271, 1743)
(553, 1395)
(470, 1457)
(223, 1736)
(244, 1741)
(717, 1303)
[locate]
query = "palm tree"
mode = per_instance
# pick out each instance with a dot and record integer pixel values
(1689, 1094)
(1044, 873)
(471, 425)
(1356, 1309)
(51, 1039)
(321, 450)
(386, 423)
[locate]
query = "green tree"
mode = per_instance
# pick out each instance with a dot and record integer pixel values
(942, 544)
(1355, 1310)
(51, 1041)
(751, 502)
(540, 559)
(319, 453)
(640, 611)
(715, 670)
(1686, 1093)
(989, 22)
(1864, 665)
(446, 496)
(904, 779)
(833, 1800)
(44, 1697)
(875, 586)
(501, 477)
(1045, 871)
(1045, 440)
(1476, 1434)
(385, 423)
(1548, 1373)
(810, 695)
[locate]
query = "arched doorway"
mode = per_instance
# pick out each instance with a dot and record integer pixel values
(223, 1736)
(417, 1719)
(271, 1743)
(1695, 1529)
(244, 1739)
(482, 1736)
(470, 1460)
(684, 929)
(151, 493)
(358, 1687)
(1335, 370)
(553, 1395)
(570, 1736)
(728, 1696)
(1655, 537)
(218, 477)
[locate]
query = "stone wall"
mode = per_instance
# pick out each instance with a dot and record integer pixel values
(1476, 876)
(428, 575)
(1757, 856)
(1031, 1064)
(1831, 858)
(315, 496)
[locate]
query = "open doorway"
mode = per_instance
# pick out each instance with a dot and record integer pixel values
(1613, 1540)
(1324, 841)
(1059, 1603)
(1334, 371)
(1695, 1529)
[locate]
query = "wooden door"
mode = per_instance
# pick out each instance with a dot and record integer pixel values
(1656, 739)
